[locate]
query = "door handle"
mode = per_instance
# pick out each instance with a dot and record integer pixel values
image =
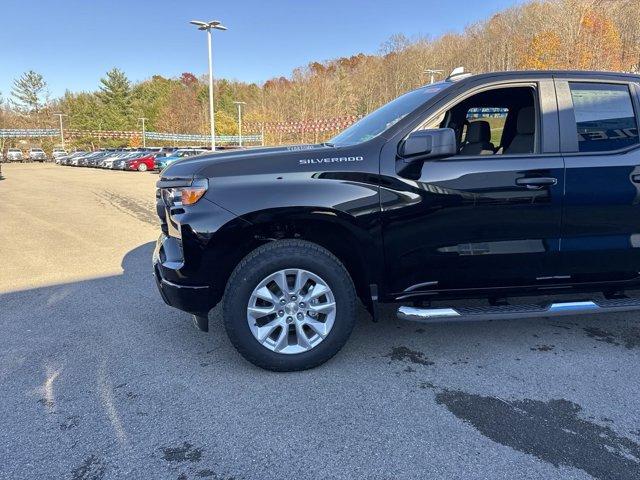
(536, 182)
(635, 178)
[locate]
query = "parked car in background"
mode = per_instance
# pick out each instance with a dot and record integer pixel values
(119, 164)
(58, 153)
(162, 163)
(84, 161)
(75, 161)
(141, 164)
(69, 158)
(162, 151)
(14, 155)
(94, 160)
(37, 155)
(108, 160)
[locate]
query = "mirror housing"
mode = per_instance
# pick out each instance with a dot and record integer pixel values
(433, 143)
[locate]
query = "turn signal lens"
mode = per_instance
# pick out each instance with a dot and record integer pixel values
(181, 196)
(190, 195)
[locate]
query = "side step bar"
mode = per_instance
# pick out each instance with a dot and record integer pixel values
(513, 312)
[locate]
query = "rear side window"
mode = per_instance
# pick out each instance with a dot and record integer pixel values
(605, 118)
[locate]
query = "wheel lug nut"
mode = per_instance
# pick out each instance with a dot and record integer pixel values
(281, 313)
(301, 304)
(289, 319)
(282, 301)
(293, 298)
(300, 316)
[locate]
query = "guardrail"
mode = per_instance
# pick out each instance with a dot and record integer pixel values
(70, 133)
(28, 133)
(187, 137)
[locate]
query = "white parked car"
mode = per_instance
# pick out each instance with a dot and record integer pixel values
(37, 155)
(14, 155)
(58, 152)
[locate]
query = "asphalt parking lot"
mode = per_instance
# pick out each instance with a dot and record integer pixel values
(100, 380)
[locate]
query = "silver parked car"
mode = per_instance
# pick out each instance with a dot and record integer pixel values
(37, 155)
(14, 155)
(58, 153)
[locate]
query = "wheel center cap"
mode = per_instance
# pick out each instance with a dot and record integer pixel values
(291, 308)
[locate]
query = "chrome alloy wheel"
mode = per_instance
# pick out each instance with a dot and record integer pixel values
(291, 311)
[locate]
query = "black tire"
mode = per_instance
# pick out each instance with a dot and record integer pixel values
(266, 260)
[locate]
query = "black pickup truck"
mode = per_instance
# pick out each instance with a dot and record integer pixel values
(490, 187)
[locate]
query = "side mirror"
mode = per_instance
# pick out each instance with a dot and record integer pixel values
(434, 143)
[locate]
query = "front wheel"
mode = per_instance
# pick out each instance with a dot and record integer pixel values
(289, 305)
(142, 167)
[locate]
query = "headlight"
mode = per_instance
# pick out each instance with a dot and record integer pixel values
(180, 196)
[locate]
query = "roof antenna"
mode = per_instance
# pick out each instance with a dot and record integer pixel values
(456, 71)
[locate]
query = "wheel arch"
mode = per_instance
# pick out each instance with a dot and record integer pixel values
(354, 245)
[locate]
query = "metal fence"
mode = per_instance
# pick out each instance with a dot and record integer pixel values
(178, 137)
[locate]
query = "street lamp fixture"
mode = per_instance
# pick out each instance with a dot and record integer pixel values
(60, 115)
(240, 104)
(144, 132)
(208, 26)
(432, 73)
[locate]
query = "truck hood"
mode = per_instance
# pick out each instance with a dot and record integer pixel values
(239, 162)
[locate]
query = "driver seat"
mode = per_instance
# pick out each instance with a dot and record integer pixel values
(478, 139)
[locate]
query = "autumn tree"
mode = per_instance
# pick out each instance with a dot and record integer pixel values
(183, 110)
(543, 52)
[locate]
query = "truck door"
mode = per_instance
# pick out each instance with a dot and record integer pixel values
(488, 217)
(599, 138)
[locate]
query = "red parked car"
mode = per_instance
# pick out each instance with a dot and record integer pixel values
(142, 164)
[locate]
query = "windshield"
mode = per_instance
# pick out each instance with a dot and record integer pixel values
(183, 153)
(388, 115)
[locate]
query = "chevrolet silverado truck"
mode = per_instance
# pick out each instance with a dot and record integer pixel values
(451, 202)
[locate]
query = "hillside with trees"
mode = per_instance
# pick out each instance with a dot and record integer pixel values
(317, 99)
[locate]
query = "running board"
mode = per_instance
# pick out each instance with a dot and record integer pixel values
(513, 312)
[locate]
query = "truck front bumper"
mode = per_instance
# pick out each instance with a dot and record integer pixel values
(195, 299)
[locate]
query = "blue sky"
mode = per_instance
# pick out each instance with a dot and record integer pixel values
(74, 42)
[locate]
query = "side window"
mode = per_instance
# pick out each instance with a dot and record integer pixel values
(497, 121)
(605, 119)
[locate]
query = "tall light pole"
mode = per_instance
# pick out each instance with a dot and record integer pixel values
(60, 115)
(432, 73)
(239, 104)
(208, 26)
(144, 132)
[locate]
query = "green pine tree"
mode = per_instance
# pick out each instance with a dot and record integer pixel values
(29, 92)
(116, 97)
